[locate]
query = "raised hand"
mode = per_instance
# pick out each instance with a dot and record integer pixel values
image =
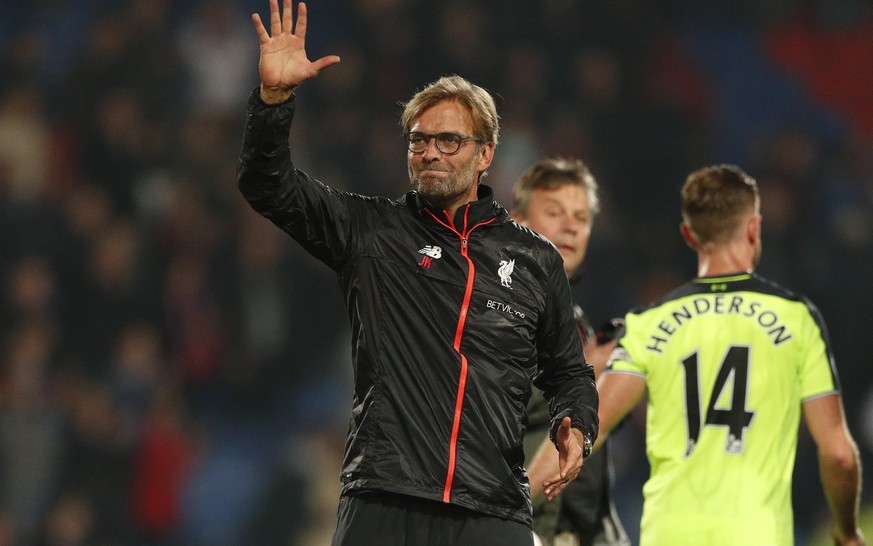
(570, 460)
(284, 64)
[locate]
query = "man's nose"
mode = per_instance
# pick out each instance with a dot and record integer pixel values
(431, 152)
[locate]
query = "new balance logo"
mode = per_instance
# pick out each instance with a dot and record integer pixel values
(434, 252)
(431, 253)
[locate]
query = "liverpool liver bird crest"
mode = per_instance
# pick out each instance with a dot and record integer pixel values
(505, 272)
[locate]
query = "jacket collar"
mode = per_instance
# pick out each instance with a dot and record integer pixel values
(482, 209)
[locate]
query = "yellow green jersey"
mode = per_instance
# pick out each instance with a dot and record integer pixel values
(727, 363)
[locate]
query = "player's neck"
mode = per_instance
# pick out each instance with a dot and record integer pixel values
(719, 264)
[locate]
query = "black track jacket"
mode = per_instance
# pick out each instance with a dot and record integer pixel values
(451, 319)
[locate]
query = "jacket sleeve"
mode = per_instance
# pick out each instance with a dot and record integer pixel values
(566, 379)
(325, 221)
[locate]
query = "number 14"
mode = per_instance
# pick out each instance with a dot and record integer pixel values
(734, 375)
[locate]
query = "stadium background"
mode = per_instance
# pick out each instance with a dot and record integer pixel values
(174, 370)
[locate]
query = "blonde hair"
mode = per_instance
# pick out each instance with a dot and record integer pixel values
(480, 103)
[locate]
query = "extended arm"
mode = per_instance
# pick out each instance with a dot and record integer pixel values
(619, 394)
(839, 465)
(544, 464)
(566, 379)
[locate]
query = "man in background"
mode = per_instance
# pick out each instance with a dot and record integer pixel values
(730, 361)
(558, 198)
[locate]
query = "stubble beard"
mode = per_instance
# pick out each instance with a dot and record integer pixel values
(444, 192)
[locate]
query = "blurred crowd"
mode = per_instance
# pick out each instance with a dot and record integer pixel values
(174, 370)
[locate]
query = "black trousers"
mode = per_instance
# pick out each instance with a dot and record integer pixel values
(383, 519)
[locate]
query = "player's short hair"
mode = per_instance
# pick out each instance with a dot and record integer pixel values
(716, 200)
(480, 103)
(551, 174)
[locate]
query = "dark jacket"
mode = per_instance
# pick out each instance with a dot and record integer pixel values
(451, 319)
(584, 508)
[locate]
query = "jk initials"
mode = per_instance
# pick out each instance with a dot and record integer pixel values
(425, 262)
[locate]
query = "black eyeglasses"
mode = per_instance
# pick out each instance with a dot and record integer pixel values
(447, 143)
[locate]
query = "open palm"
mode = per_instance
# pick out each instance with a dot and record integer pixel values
(284, 64)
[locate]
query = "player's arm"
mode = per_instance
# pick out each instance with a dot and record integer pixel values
(543, 465)
(597, 354)
(619, 393)
(839, 465)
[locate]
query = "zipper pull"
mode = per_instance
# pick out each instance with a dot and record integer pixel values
(464, 244)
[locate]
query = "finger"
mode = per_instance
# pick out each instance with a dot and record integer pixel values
(263, 37)
(300, 31)
(324, 62)
(569, 466)
(275, 20)
(550, 493)
(553, 491)
(288, 18)
(571, 461)
(552, 481)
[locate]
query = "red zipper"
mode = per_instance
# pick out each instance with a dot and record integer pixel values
(459, 334)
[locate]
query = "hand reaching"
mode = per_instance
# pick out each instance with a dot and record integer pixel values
(284, 64)
(570, 460)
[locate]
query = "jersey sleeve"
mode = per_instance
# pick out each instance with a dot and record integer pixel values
(817, 373)
(628, 354)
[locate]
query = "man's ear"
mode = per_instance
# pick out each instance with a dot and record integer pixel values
(753, 229)
(689, 237)
(486, 156)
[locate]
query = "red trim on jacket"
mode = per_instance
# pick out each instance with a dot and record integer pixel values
(459, 334)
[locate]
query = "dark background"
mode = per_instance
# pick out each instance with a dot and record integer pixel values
(175, 370)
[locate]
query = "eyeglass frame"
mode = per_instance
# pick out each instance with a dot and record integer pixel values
(436, 137)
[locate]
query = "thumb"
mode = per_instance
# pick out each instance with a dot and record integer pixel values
(566, 423)
(325, 62)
